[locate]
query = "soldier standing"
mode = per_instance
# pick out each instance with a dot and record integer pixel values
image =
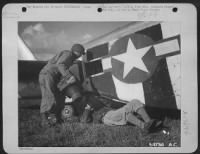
(54, 72)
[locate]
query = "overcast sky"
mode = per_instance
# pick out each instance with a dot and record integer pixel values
(45, 39)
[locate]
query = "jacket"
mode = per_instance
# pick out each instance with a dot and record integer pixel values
(58, 65)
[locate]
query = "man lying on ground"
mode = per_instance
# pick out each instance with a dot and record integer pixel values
(92, 108)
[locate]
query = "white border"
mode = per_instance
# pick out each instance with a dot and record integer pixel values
(187, 15)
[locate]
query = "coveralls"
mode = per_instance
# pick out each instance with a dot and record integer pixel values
(108, 114)
(49, 76)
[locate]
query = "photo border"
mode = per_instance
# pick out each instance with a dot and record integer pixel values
(187, 15)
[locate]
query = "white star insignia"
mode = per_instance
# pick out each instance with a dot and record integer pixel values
(133, 58)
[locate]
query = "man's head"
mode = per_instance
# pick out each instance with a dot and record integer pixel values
(78, 50)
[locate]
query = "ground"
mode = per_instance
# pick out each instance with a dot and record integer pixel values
(75, 134)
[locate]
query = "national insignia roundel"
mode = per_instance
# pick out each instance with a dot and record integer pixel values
(133, 58)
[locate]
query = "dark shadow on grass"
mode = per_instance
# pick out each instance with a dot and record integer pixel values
(31, 103)
(161, 113)
(31, 107)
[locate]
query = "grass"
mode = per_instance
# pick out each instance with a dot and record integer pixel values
(75, 134)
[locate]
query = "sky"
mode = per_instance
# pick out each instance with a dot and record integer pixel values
(45, 39)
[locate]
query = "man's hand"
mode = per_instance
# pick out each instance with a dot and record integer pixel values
(66, 81)
(86, 116)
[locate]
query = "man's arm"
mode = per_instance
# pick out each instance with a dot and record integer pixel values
(86, 117)
(64, 62)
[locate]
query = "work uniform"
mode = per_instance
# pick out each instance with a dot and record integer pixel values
(120, 116)
(104, 111)
(49, 76)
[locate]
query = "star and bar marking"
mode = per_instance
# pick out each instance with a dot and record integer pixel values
(132, 58)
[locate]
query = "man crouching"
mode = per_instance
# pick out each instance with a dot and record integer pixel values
(53, 78)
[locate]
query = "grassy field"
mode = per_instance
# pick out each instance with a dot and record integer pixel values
(74, 134)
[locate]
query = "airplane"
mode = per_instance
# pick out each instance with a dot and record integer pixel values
(29, 89)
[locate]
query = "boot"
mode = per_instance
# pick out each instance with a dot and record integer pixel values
(148, 127)
(52, 120)
(149, 123)
(135, 121)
